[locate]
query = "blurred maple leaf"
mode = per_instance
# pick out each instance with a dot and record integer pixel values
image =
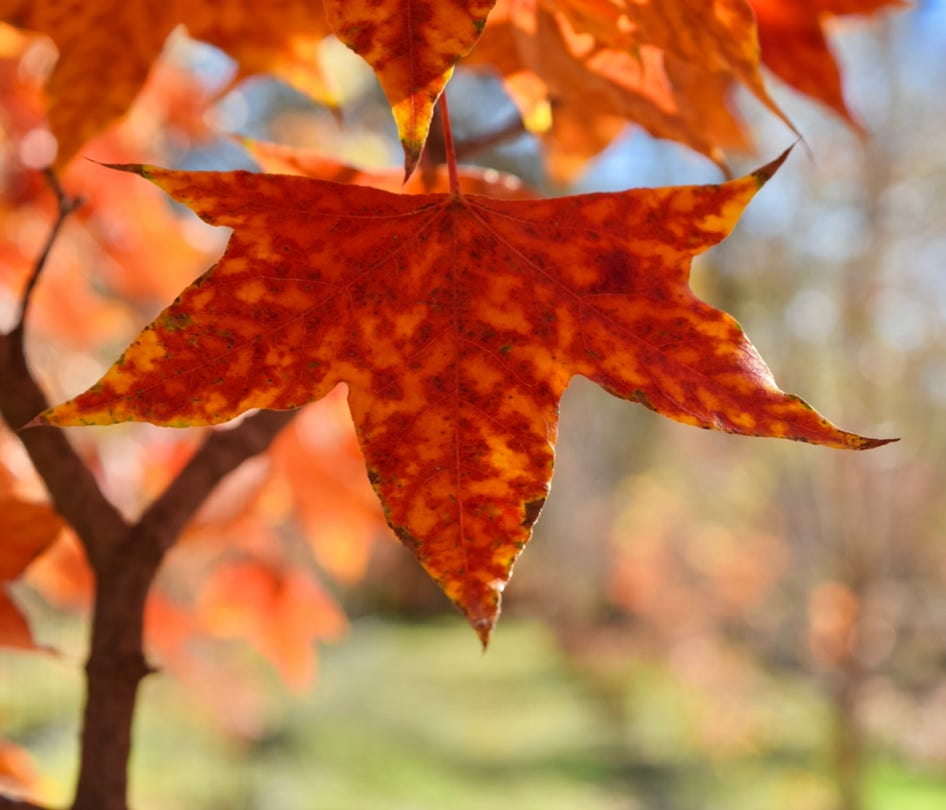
(666, 67)
(456, 322)
(281, 613)
(795, 48)
(26, 530)
(317, 465)
(17, 771)
(119, 40)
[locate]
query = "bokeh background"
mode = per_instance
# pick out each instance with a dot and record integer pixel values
(701, 621)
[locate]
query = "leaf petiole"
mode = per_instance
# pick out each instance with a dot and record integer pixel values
(448, 147)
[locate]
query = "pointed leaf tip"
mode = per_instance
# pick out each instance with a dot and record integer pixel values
(37, 421)
(412, 155)
(765, 173)
(481, 610)
(869, 444)
(132, 168)
(484, 629)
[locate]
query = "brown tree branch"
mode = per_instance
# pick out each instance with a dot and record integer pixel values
(470, 146)
(116, 662)
(16, 804)
(220, 454)
(66, 205)
(72, 488)
(125, 558)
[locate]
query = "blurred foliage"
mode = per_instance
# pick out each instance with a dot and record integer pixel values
(413, 716)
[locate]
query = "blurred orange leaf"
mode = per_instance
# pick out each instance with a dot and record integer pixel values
(106, 48)
(26, 531)
(562, 61)
(14, 629)
(713, 36)
(318, 460)
(280, 613)
(17, 771)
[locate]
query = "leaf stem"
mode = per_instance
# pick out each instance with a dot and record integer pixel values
(66, 205)
(448, 147)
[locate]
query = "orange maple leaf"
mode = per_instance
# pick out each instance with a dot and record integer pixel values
(714, 36)
(456, 322)
(412, 45)
(26, 531)
(795, 48)
(558, 63)
(280, 612)
(106, 48)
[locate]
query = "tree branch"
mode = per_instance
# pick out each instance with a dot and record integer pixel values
(470, 146)
(220, 454)
(16, 804)
(66, 205)
(125, 558)
(72, 488)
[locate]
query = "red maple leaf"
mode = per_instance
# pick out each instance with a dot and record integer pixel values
(795, 47)
(456, 322)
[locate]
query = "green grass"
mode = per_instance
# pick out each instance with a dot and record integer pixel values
(415, 717)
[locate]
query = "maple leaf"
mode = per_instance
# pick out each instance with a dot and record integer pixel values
(795, 48)
(280, 613)
(554, 64)
(456, 323)
(412, 45)
(106, 48)
(711, 35)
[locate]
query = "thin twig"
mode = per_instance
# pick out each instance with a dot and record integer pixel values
(221, 453)
(65, 206)
(449, 152)
(470, 146)
(72, 487)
